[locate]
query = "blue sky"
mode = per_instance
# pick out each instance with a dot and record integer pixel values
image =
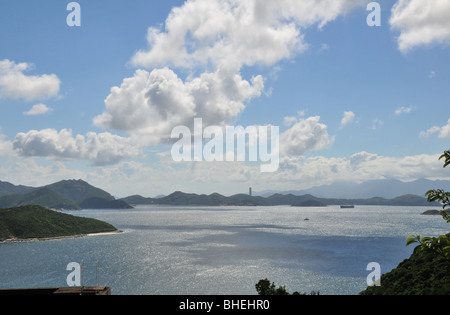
(296, 64)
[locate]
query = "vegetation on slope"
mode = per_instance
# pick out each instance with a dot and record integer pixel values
(185, 199)
(42, 197)
(424, 273)
(265, 287)
(100, 203)
(427, 271)
(38, 222)
(63, 195)
(78, 190)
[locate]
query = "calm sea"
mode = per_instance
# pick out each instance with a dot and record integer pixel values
(225, 250)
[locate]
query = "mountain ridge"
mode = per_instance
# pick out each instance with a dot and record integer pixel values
(179, 198)
(62, 195)
(78, 194)
(384, 188)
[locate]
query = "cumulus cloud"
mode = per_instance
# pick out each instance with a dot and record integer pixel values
(403, 110)
(421, 22)
(6, 147)
(213, 40)
(306, 135)
(348, 118)
(130, 177)
(99, 149)
(154, 103)
(299, 171)
(443, 132)
(38, 109)
(305, 172)
(232, 33)
(16, 85)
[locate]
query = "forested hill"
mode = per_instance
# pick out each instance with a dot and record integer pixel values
(29, 222)
(66, 194)
(184, 199)
(78, 194)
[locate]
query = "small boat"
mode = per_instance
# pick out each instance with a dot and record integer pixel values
(347, 207)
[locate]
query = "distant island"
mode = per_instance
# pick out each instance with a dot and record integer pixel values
(36, 222)
(435, 212)
(184, 199)
(78, 194)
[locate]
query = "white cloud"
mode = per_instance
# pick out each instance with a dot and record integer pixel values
(154, 103)
(348, 118)
(213, 39)
(300, 172)
(304, 172)
(289, 121)
(6, 147)
(29, 172)
(444, 131)
(377, 124)
(306, 135)
(403, 110)
(231, 33)
(421, 22)
(99, 149)
(38, 109)
(128, 177)
(15, 85)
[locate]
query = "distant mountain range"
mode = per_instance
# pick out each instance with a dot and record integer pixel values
(183, 199)
(78, 194)
(386, 188)
(66, 194)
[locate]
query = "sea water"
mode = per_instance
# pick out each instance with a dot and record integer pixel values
(224, 250)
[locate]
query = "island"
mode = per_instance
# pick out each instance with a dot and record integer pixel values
(33, 222)
(435, 212)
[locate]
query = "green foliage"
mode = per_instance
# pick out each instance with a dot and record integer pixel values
(37, 222)
(446, 156)
(427, 271)
(423, 273)
(265, 287)
(438, 245)
(440, 196)
(78, 190)
(42, 197)
(67, 195)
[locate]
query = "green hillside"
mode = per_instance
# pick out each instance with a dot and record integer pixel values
(424, 273)
(63, 195)
(41, 197)
(138, 200)
(38, 222)
(9, 189)
(78, 190)
(185, 199)
(100, 203)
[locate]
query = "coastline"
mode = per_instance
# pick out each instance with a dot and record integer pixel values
(25, 240)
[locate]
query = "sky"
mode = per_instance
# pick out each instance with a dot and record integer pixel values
(99, 101)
